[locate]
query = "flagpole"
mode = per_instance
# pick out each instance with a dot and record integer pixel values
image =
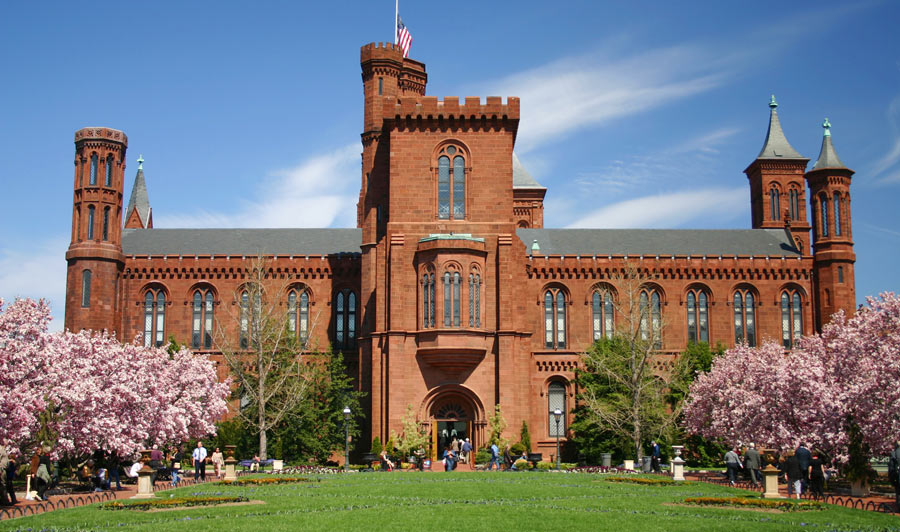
(396, 17)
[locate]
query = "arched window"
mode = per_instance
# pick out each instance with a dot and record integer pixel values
(106, 223)
(451, 190)
(428, 300)
(298, 313)
(697, 316)
(474, 300)
(837, 215)
(556, 399)
(93, 174)
(651, 317)
(451, 299)
(774, 203)
(109, 170)
(245, 319)
(744, 318)
(90, 228)
(154, 317)
(555, 319)
(202, 322)
(86, 288)
(823, 202)
(791, 318)
(602, 313)
(345, 319)
(795, 204)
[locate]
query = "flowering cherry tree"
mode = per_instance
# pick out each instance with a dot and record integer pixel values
(844, 377)
(96, 392)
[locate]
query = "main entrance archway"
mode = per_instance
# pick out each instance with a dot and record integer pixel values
(454, 412)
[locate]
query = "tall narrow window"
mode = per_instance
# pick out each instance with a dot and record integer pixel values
(380, 86)
(471, 300)
(791, 318)
(109, 170)
(345, 319)
(90, 228)
(775, 202)
(451, 299)
(555, 319)
(298, 313)
(86, 288)
(427, 306)
(456, 291)
(697, 316)
(477, 300)
(556, 400)
(651, 317)
(823, 202)
(795, 204)
(837, 215)
(602, 314)
(154, 317)
(202, 322)
(106, 223)
(840, 274)
(245, 319)
(744, 318)
(451, 189)
(93, 174)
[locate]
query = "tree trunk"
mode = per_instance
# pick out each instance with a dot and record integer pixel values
(636, 427)
(262, 444)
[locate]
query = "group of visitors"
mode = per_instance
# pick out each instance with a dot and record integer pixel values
(803, 470)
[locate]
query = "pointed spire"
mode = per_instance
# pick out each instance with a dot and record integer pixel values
(827, 156)
(776, 145)
(139, 201)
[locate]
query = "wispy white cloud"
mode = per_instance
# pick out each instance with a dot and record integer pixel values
(675, 209)
(888, 162)
(315, 193)
(36, 270)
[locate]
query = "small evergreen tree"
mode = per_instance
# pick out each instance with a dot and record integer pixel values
(376, 446)
(413, 436)
(497, 424)
(525, 436)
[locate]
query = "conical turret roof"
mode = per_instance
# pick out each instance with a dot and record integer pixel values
(827, 156)
(139, 201)
(777, 145)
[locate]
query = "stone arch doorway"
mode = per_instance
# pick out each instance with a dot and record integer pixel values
(454, 411)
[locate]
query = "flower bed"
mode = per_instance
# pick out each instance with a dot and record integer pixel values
(174, 502)
(599, 469)
(266, 481)
(788, 505)
(306, 470)
(661, 481)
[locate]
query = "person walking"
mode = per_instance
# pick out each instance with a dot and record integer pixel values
(794, 475)
(733, 463)
(4, 463)
(894, 472)
(175, 458)
(218, 462)
(9, 475)
(803, 457)
(495, 457)
(42, 472)
(655, 456)
(753, 462)
(199, 457)
(466, 451)
(816, 474)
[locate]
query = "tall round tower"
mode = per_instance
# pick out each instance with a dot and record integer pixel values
(95, 259)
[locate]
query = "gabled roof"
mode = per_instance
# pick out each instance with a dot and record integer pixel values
(827, 156)
(777, 145)
(139, 201)
(663, 242)
(247, 242)
(521, 177)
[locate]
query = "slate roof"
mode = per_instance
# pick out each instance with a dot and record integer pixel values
(777, 145)
(139, 198)
(827, 156)
(521, 177)
(697, 242)
(191, 242)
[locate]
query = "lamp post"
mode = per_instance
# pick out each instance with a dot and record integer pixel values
(346, 438)
(557, 414)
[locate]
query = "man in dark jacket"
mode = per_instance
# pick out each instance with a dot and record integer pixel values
(753, 462)
(794, 475)
(803, 457)
(894, 472)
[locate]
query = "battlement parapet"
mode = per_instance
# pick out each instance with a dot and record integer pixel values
(101, 133)
(450, 107)
(380, 50)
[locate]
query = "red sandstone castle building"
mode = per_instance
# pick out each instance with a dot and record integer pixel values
(450, 295)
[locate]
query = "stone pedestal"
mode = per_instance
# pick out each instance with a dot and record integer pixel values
(677, 468)
(230, 463)
(145, 478)
(770, 482)
(859, 488)
(277, 465)
(629, 464)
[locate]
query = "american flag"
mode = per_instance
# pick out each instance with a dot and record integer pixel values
(404, 39)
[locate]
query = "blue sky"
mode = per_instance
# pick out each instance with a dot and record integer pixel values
(637, 114)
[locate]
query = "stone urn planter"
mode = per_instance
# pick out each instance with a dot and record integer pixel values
(859, 487)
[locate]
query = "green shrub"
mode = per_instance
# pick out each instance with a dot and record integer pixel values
(376, 446)
(483, 456)
(517, 449)
(525, 437)
(522, 465)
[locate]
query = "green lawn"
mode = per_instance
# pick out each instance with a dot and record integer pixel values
(457, 501)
